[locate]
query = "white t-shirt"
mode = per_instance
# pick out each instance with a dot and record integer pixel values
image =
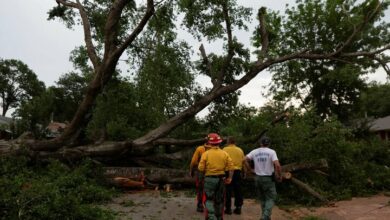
(263, 159)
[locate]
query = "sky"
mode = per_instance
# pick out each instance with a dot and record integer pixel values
(45, 46)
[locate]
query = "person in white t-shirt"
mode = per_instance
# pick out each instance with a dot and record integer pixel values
(266, 165)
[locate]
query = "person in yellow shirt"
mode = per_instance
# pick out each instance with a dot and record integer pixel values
(213, 163)
(199, 181)
(238, 157)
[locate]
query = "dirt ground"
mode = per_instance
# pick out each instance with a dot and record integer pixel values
(180, 205)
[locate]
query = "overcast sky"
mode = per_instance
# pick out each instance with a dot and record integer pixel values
(27, 35)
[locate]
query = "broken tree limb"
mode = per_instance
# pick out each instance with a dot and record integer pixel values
(308, 189)
(286, 175)
(154, 175)
(160, 175)
(127, 176)
(311, 165)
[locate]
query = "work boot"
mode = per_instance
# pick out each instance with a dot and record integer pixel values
(228, 211)
(237, 210)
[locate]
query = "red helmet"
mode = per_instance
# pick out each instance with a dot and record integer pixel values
(213, 138)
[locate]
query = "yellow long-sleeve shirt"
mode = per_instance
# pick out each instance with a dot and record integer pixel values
(215, 162)
(236, 154)
(197, 155)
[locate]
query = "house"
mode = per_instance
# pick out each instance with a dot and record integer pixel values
(5, 128)
(381, 126)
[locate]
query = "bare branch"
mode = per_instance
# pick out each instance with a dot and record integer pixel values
(206, 62)
(263, 33)
(87, 31)
(366, 53)
(230, 53)
(384, 65)
(228, 26)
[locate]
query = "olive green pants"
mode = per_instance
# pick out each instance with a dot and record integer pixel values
(199, 188)
(266, 189)
(214, 188)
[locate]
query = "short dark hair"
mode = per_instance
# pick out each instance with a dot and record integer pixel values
(265, 141)
(231, 140)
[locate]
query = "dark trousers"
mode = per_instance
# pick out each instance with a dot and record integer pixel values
(265, 186)
(234, 188)
(199, 188)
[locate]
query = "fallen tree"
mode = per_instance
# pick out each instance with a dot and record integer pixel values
(107, 43)
(139, 177)
(105, 52)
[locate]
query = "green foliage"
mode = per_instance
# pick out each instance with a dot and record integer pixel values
(206, 17)
(69, 92)
(331, 86)
(58, 102)
(356, 167)
(34, 114)
(18, 84)
(30, 190)
(374, 101)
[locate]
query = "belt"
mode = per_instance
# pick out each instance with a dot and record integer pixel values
(216, 176)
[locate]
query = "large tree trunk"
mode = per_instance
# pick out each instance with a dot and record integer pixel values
(131, 176)
(154, 175)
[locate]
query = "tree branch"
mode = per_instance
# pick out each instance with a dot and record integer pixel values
(102, 75)
(230, 53)
(148, 14)
(366, 53)
(206, 62)
(113, 18)
(68, 3)
(87, 31)
(383, 64)
(357, 30)
(263, 33)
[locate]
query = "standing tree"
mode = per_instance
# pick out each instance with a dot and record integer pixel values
(111, 28)
(18, 84)
(331, 85)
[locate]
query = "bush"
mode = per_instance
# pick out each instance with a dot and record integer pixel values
(51, 190)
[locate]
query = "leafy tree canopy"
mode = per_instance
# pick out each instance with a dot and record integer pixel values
(18, 84)
(331, 86)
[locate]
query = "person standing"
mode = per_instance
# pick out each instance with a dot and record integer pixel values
(237, 156)
(213, 163)
(199, 181)
(266, 164)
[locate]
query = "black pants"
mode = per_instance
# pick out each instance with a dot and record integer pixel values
(234, 188)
